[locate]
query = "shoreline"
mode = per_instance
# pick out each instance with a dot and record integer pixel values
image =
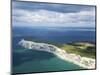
(73, 58)
(85, 62)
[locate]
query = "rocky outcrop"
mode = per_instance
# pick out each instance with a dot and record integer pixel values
(38, 46)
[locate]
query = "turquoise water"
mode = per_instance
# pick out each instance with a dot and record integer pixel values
(52, 64)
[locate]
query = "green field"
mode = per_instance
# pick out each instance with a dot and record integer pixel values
(83, 49)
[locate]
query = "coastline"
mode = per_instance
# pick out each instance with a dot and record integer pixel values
(77, 59)
(85, 62)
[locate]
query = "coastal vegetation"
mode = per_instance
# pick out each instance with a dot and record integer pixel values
(80, 48)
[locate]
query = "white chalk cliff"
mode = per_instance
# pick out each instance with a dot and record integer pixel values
(85, 62)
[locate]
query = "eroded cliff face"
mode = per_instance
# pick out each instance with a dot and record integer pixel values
(38, 46)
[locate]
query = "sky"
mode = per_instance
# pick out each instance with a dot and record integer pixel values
(52, 15)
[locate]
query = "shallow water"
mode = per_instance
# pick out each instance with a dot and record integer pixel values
(36, 61)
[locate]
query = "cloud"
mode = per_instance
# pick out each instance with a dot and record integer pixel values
(45, 16)
(33, 13)
(64, 8)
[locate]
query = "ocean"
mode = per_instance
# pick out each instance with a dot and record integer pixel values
(26, 61)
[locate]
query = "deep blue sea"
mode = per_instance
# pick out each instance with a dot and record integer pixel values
(25, 61)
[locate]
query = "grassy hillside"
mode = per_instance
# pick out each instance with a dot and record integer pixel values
(83, 49)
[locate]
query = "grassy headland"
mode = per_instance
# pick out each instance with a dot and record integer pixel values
(81, 48)
(85, 49)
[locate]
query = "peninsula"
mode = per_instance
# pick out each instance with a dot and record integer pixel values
(85, 62)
